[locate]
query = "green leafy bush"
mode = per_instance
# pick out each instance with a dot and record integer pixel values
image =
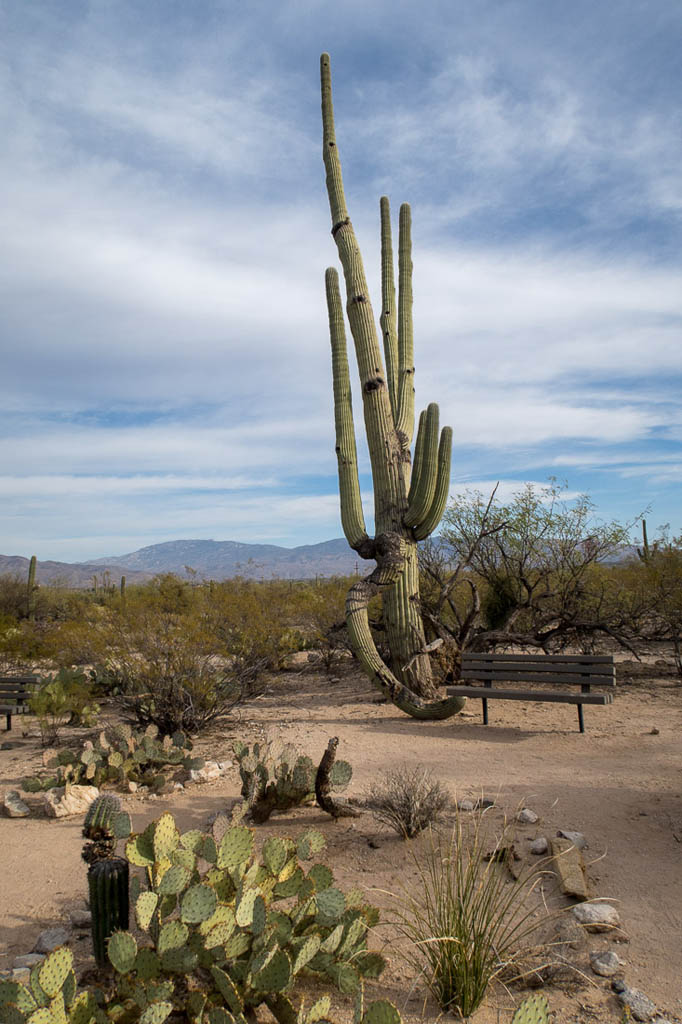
(65, 696)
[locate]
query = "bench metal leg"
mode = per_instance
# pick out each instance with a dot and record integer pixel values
(484, 702)
(9, 721)
(585, 688)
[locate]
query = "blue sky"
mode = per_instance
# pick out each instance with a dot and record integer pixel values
(165, 358)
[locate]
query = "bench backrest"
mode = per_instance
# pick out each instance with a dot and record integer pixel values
(557, 669)
(21, 687)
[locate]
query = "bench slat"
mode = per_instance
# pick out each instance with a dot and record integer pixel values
(486, 693)
(538, 677)
(537, 665)
(597, 659)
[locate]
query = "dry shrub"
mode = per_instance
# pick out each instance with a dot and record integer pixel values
(409, 800)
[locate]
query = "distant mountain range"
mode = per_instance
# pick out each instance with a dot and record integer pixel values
(209, 559)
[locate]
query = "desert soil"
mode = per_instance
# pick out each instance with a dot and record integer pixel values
(618, 784)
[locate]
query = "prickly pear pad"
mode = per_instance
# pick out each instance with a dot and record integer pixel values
(54, 971)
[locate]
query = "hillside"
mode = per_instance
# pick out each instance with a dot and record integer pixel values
(209, 559)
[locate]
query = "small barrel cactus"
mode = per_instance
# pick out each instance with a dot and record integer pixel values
(109, 896)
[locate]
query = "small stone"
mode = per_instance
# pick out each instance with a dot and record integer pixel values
(640, 1006)
(569, 933)
(605, 963)
(62, 803)
(80, 918)
(29, 960)
(466, 805)
(21, 974)
(132, 786)
(14, 805)
(178, 786)
(655, 731)
(577, 838)
(596, 917)
(373, 844)
(526, 816)
(539, 846)
(50, 939)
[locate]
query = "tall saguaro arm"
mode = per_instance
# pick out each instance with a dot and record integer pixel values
(405, 510)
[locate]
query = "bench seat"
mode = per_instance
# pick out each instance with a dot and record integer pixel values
(560, 670)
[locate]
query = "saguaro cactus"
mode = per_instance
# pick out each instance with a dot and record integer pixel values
(31, 589)
(407, 506)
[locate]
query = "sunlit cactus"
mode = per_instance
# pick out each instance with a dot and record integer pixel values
(408, 504)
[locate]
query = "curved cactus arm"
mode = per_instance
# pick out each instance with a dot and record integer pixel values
(352, 517)
(387, 319)
(391, 564)
(432, 518)
(425, 468)
(405, 418)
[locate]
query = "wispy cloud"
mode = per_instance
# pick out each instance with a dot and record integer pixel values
(166, 232)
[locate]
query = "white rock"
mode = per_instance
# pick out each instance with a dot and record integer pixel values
(50, 939)
(14, 805)
(539, 846)
(178, 786)
(596, 917)
(526, 816)
(466, 805)
(577, 838)
(209, 772)
(61, 804)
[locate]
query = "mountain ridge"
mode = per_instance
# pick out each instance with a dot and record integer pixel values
(207, 559)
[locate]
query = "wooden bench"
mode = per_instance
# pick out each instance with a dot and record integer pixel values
(15, 693)
(560, 670)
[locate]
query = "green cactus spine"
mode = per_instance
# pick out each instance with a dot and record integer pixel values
(408, 506)
(108, 887)
(31, 589)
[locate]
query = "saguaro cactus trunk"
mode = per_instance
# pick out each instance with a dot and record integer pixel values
(407, 506)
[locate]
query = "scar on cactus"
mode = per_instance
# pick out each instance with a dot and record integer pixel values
(408, 502)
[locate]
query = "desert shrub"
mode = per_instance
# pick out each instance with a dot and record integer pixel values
(409, 800)
(170, 671)
(467, 922)
(65, 697)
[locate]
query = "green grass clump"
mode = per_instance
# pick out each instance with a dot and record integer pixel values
(466, 919)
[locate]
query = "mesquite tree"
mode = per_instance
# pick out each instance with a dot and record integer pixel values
(407, 505)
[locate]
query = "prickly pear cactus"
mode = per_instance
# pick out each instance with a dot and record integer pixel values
(245, 926)
(533, 1010)
(275, 777)
(119, 755)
